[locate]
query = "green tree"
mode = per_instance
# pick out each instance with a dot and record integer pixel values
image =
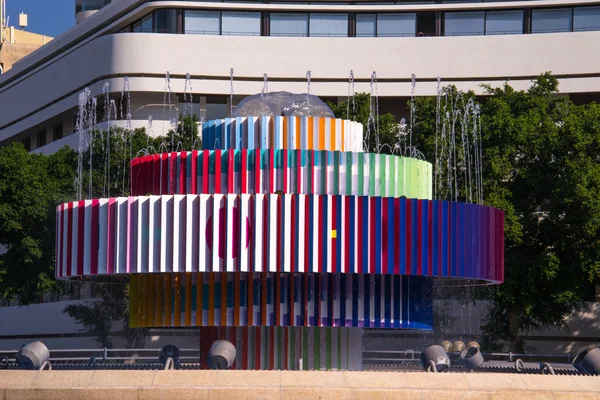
(98, 316)
(31, 186)
(381, 129)
(541, 165)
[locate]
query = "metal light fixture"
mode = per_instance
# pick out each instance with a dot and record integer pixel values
(169, 356)
(221, 355)
(588, 361)
(435, 359)
(471, 357)
(447, 345)
(34, 355)
(458, 346)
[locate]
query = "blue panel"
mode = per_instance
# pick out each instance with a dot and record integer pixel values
(435, 244)
(425, 237)
(377, 235)
(251, 133)
(278, 134)
(264, 131)
(402, 242)
(239, 144)
(413, 243)
(364, 200)
(338, 239)
(462, 238)
(350, 233)
(453, 232)
(310, 216)
(445, 256)
(219, 137)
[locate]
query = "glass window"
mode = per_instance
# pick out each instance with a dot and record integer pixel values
(144, 25)
(203, 22)
(329, 25)
(365, 25)
(41, 138)
(241, 23)
(392, 25)
(586, 19)
(503, 22)
(165, 21)
(288, 24)
(57, 131)
(464, 23)
(27, 143)
(554, 20)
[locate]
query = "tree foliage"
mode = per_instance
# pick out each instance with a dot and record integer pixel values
(31, 186)
(379, 130)
(541, 163)
(99, 316)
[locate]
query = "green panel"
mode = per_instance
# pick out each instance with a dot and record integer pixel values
(393, 176)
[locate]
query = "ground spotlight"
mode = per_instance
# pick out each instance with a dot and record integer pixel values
(473, 343)
(34, 355)
(221, 355)
(471, 357)
(435, 359)
(588, 361)
(447, 345)
(458, 346)
(169, 356)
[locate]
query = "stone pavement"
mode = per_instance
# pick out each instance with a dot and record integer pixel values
(230, 385)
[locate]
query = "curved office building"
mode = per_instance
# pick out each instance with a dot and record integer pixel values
(462, 43)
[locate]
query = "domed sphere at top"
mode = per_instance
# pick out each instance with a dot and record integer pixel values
(283, 104)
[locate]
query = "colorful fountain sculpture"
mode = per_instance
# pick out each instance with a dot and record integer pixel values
(283, 237)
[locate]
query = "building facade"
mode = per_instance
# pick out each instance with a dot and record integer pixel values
(467, 44)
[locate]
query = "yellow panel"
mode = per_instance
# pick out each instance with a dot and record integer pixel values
(199, 284)
(211, 300)
(321, 134)
(177, 303)
(158, 313)
(223, 298)
(168, 301)
(188, 299)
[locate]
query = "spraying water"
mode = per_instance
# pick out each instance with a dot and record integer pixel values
(308, 75)
(128, 137)
(458, 148)
(150, 120)
(265, 88)
(413, 80)
(80, 126)
(91, 124)
(437, 133)
(351, 93)
(166, 98)
(374, 112)
(106, 151)
(189, 106)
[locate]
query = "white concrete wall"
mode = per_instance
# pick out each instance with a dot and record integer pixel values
(48, 319)
(484, 59)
